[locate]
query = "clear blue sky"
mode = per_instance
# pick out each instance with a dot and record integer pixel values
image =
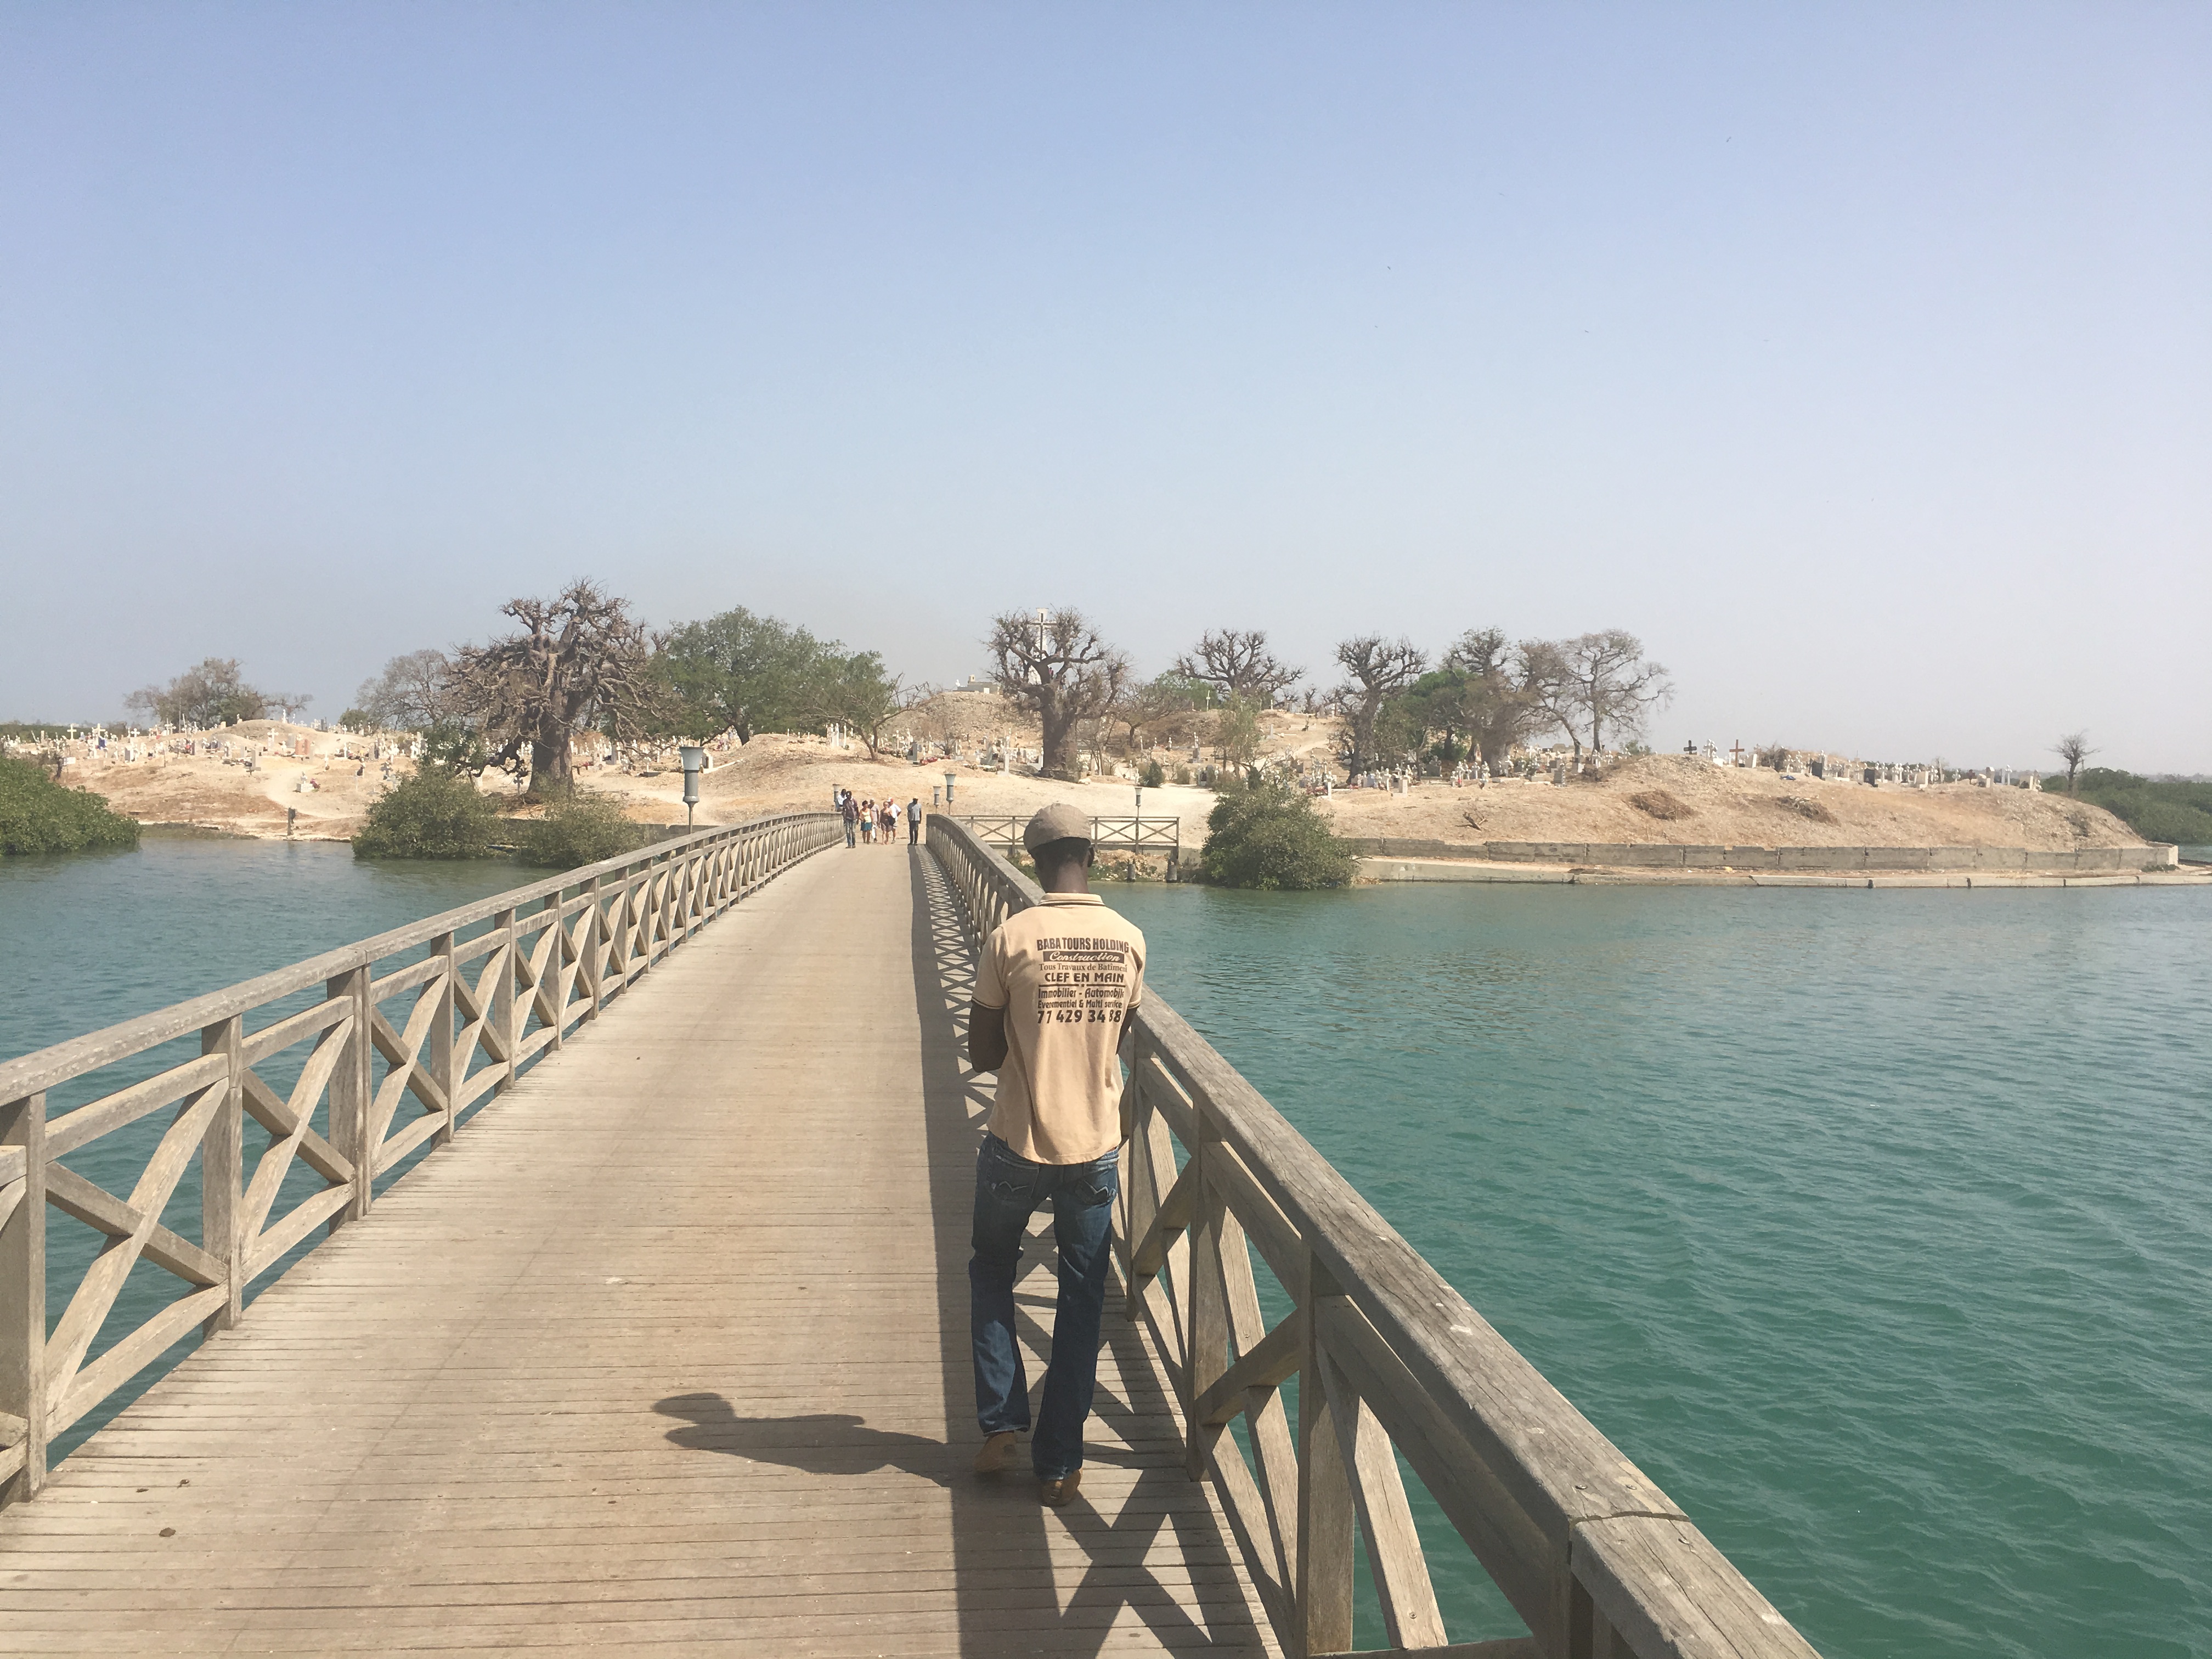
(1859, 358)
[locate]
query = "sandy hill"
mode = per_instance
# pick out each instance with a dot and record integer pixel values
(1657, 799)
(1677, 799)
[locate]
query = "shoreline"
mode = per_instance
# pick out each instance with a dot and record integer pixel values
(1375, 871)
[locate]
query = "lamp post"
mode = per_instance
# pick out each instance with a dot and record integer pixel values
(694, 761)
(949, 777)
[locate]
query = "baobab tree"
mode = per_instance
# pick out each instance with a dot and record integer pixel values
(1378, 668)
(1054, 665)
(1238, 664)
(580, 662)
(2074, 749)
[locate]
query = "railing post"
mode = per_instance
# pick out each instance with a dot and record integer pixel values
(502, 988)
(222, 1171)
(441, 1039)
(349, 1095)
(555, 945)
(594, 962)
(23, 1294)
(1322, 1614)
(1206, 1345)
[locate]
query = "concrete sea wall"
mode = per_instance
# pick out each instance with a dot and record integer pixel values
(2088, 860)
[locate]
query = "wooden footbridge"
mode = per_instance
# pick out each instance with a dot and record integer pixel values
(585, 1269)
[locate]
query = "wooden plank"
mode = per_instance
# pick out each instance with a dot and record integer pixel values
(1276, 1358)
(72, 1130)
(96, 1291)
(74, 1196)
(269, 1245)
(222, 1171)
(284, 1123)
(1512, 1547)
(294, 1028)
(1323, 1609)
(23, 1298)
(1171, 1216)
(96, 1379)
(1662, 1585)
(1400, 1571)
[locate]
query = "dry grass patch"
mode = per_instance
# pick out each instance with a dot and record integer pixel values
(1658, 803)
(1806, 809)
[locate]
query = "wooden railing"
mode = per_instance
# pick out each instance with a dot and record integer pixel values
(484, 990)
(1391, 1363)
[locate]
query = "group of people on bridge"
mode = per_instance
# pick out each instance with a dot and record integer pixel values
(873, 821)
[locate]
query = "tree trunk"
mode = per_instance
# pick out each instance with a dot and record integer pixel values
(549, 765)
(1059, 736)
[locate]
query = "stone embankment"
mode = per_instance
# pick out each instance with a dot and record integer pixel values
(1602, 864)
(1728, 860)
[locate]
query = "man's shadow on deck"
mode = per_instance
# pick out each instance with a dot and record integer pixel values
(823, 1443)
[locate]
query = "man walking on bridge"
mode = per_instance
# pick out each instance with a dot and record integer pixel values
(1054, 990)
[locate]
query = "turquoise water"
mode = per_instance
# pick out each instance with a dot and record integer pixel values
(1875, 1226)
(88, 939)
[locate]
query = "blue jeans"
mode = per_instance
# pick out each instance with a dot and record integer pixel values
(1008, 1189)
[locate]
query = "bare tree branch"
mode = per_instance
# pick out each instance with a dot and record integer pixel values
(1377, 668)
(1239, 665)
(1056, 666)
(581, 661)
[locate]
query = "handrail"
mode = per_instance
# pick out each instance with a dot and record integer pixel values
(1592, 1555)
(467, 1033)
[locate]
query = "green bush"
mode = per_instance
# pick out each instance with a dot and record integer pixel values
(37, 815)
(436, 814)
(582, 827)
(1153, 777)
(2156, 810)
(1267, 836)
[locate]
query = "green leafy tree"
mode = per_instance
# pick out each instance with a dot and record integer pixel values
(438, 813)
(1237, 733)
(743, 673)
(1267, 834)
(854, 691)
(38, 815)
(211, 693)
(582, 827)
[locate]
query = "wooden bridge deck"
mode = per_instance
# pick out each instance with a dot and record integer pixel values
(667, 1354)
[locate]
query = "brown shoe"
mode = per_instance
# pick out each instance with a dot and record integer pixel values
(1057, 1493)
(998, 1451)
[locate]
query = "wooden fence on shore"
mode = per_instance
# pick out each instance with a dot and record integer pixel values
(483, 990)
(1391, 1361)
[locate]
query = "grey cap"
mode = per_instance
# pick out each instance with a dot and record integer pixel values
(1058, 822)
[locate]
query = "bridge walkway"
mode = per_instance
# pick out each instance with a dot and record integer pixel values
(667, 1354)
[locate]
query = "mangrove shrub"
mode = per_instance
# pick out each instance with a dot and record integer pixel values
(2157, 809)
(37, 815)
(438, 813)
(1267, 834)
(580, 828)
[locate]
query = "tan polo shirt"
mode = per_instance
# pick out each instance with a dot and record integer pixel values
(1066, 971)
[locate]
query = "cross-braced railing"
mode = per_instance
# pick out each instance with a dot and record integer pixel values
(343, 1089)
(1390, 1363)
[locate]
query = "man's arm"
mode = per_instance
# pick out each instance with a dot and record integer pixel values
(986, 1037)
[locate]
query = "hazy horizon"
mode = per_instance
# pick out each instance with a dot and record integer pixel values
(1854, 357)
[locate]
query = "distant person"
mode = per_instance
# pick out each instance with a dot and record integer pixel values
(914, 821)
(891, 821)
(1054, 990)
(850, 811)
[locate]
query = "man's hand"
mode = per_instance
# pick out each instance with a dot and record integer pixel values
(986, 1037)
